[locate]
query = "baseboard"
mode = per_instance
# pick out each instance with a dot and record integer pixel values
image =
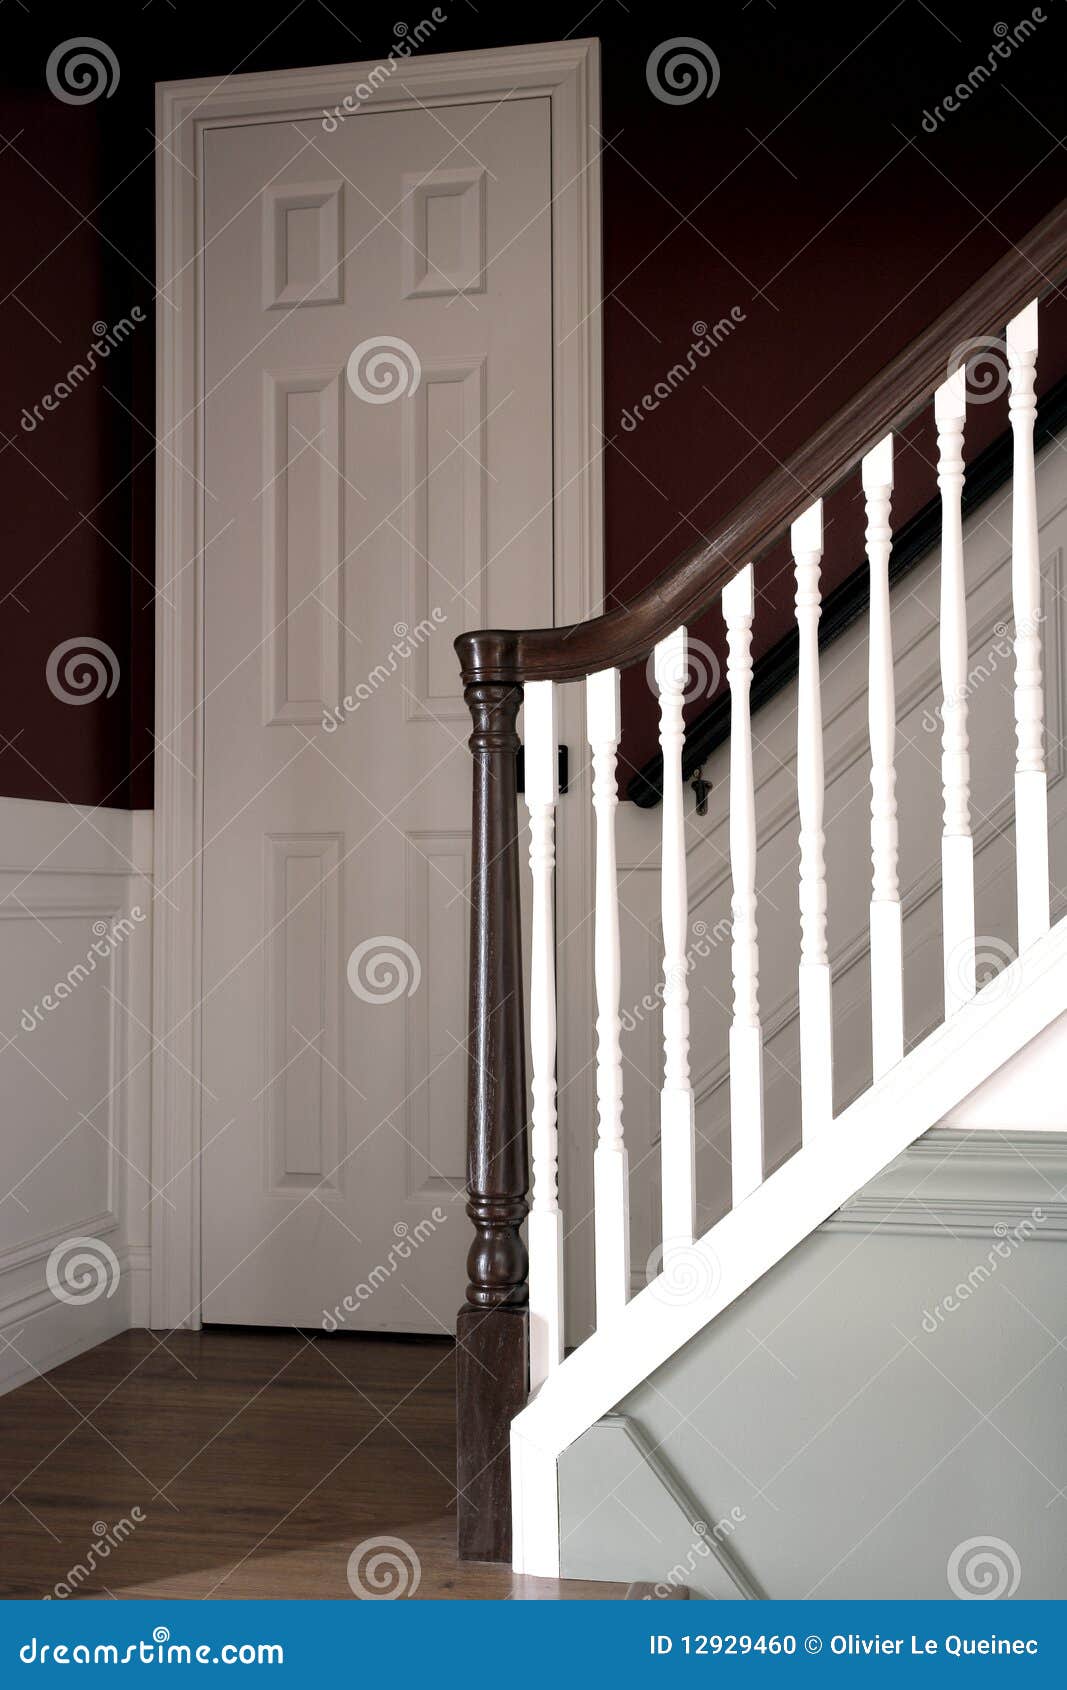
(39, 1333)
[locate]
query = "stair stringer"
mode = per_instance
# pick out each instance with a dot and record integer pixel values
(932, 1079)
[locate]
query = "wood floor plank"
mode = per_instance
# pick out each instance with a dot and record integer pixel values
(241, 1463)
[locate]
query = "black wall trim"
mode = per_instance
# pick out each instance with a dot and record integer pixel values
(776, 668)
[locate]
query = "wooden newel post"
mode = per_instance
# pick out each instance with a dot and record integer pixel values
(492, 1363)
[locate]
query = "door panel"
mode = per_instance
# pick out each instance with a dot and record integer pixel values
(378, 466)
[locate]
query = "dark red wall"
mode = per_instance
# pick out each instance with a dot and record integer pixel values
(805, 193)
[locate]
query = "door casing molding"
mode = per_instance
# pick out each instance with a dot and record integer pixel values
(568, 74)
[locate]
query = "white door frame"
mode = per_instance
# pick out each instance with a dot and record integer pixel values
(568, 74)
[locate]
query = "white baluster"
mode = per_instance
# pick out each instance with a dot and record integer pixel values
(957, 850)
(677, 1139)
(746, 1034)
(816, 1006)
(611, 1181)
(545, 1226)
(1031, 796)
(887, 966)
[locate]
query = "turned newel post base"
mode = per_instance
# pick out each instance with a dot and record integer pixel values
(492, 1334)
(492, 1375)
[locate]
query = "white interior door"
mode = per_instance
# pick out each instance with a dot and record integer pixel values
(378, 465)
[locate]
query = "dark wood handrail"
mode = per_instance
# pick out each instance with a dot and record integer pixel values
(626, 635)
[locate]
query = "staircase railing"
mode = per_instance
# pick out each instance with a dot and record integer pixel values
(510, 1330)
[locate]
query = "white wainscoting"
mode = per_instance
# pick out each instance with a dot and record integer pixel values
(847, 822)
(75, 1073)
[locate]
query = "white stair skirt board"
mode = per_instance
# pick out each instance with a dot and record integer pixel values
(930, 1081)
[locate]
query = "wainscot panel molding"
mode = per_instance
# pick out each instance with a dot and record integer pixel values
(76, 1055)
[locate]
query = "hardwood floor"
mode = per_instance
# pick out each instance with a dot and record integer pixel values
(258, 1462)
